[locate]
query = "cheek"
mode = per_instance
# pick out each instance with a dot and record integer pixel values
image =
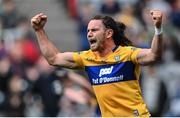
(101, 38)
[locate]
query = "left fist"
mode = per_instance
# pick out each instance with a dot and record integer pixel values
(156, 17)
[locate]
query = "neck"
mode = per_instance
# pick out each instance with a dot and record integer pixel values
(108, 46)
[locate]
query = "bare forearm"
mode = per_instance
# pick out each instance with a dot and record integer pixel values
(48, 50)
(157, 45)
(149, 56)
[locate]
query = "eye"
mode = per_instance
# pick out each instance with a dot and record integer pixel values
(93, 30)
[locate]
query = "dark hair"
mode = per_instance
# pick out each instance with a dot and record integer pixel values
(118, 29)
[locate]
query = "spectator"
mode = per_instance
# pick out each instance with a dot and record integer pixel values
(110, 7)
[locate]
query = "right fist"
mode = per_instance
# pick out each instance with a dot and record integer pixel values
(38, 21)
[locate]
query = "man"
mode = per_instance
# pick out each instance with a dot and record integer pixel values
(113, 67)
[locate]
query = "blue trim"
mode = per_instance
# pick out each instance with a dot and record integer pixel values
(98, 111)
(115, 48)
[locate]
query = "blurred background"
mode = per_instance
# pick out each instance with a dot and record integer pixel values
(30, 87)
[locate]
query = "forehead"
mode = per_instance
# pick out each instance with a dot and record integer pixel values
(95, 24)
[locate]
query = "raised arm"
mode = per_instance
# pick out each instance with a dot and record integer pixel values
(48, 50)
(148, 56)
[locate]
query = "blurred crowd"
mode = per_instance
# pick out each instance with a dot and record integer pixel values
(29, 86)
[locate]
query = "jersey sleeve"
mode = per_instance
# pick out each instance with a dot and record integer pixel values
(78, 59)
(134, 53)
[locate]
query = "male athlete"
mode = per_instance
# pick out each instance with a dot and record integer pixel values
(112, 65)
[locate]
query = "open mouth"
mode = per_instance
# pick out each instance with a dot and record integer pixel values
(92, 41)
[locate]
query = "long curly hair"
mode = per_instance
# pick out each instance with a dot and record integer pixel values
(118, 30)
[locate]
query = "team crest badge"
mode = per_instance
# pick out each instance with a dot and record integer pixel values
(117, 58)
(90, 59)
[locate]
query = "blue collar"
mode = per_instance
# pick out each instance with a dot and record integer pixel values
(114, 49)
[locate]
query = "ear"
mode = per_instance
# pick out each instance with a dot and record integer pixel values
(109, 33)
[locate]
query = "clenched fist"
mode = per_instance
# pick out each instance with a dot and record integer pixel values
(38, 21)
(156, 17)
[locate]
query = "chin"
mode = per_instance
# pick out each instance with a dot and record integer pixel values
(93, 49)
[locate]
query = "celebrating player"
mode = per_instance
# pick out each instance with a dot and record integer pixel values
(113, 66)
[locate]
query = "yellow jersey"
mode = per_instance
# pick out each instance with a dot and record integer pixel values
(115, 80)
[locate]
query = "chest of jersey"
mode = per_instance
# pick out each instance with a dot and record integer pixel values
(115, 81)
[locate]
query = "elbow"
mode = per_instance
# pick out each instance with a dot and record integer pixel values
(156, 58)
(51, 61)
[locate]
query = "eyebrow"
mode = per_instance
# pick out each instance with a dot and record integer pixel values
(93, 29)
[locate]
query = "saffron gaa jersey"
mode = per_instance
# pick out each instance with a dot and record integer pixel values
(115, 80)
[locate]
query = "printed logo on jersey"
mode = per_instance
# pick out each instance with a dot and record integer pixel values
(111, 73)
(133, 48)
(90, 59)
(105, 71)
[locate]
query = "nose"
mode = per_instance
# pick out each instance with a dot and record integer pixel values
(89, 34)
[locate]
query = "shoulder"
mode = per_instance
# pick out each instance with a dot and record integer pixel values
(84, 53)
(83, 58)
(129, 48)
(129, 53)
